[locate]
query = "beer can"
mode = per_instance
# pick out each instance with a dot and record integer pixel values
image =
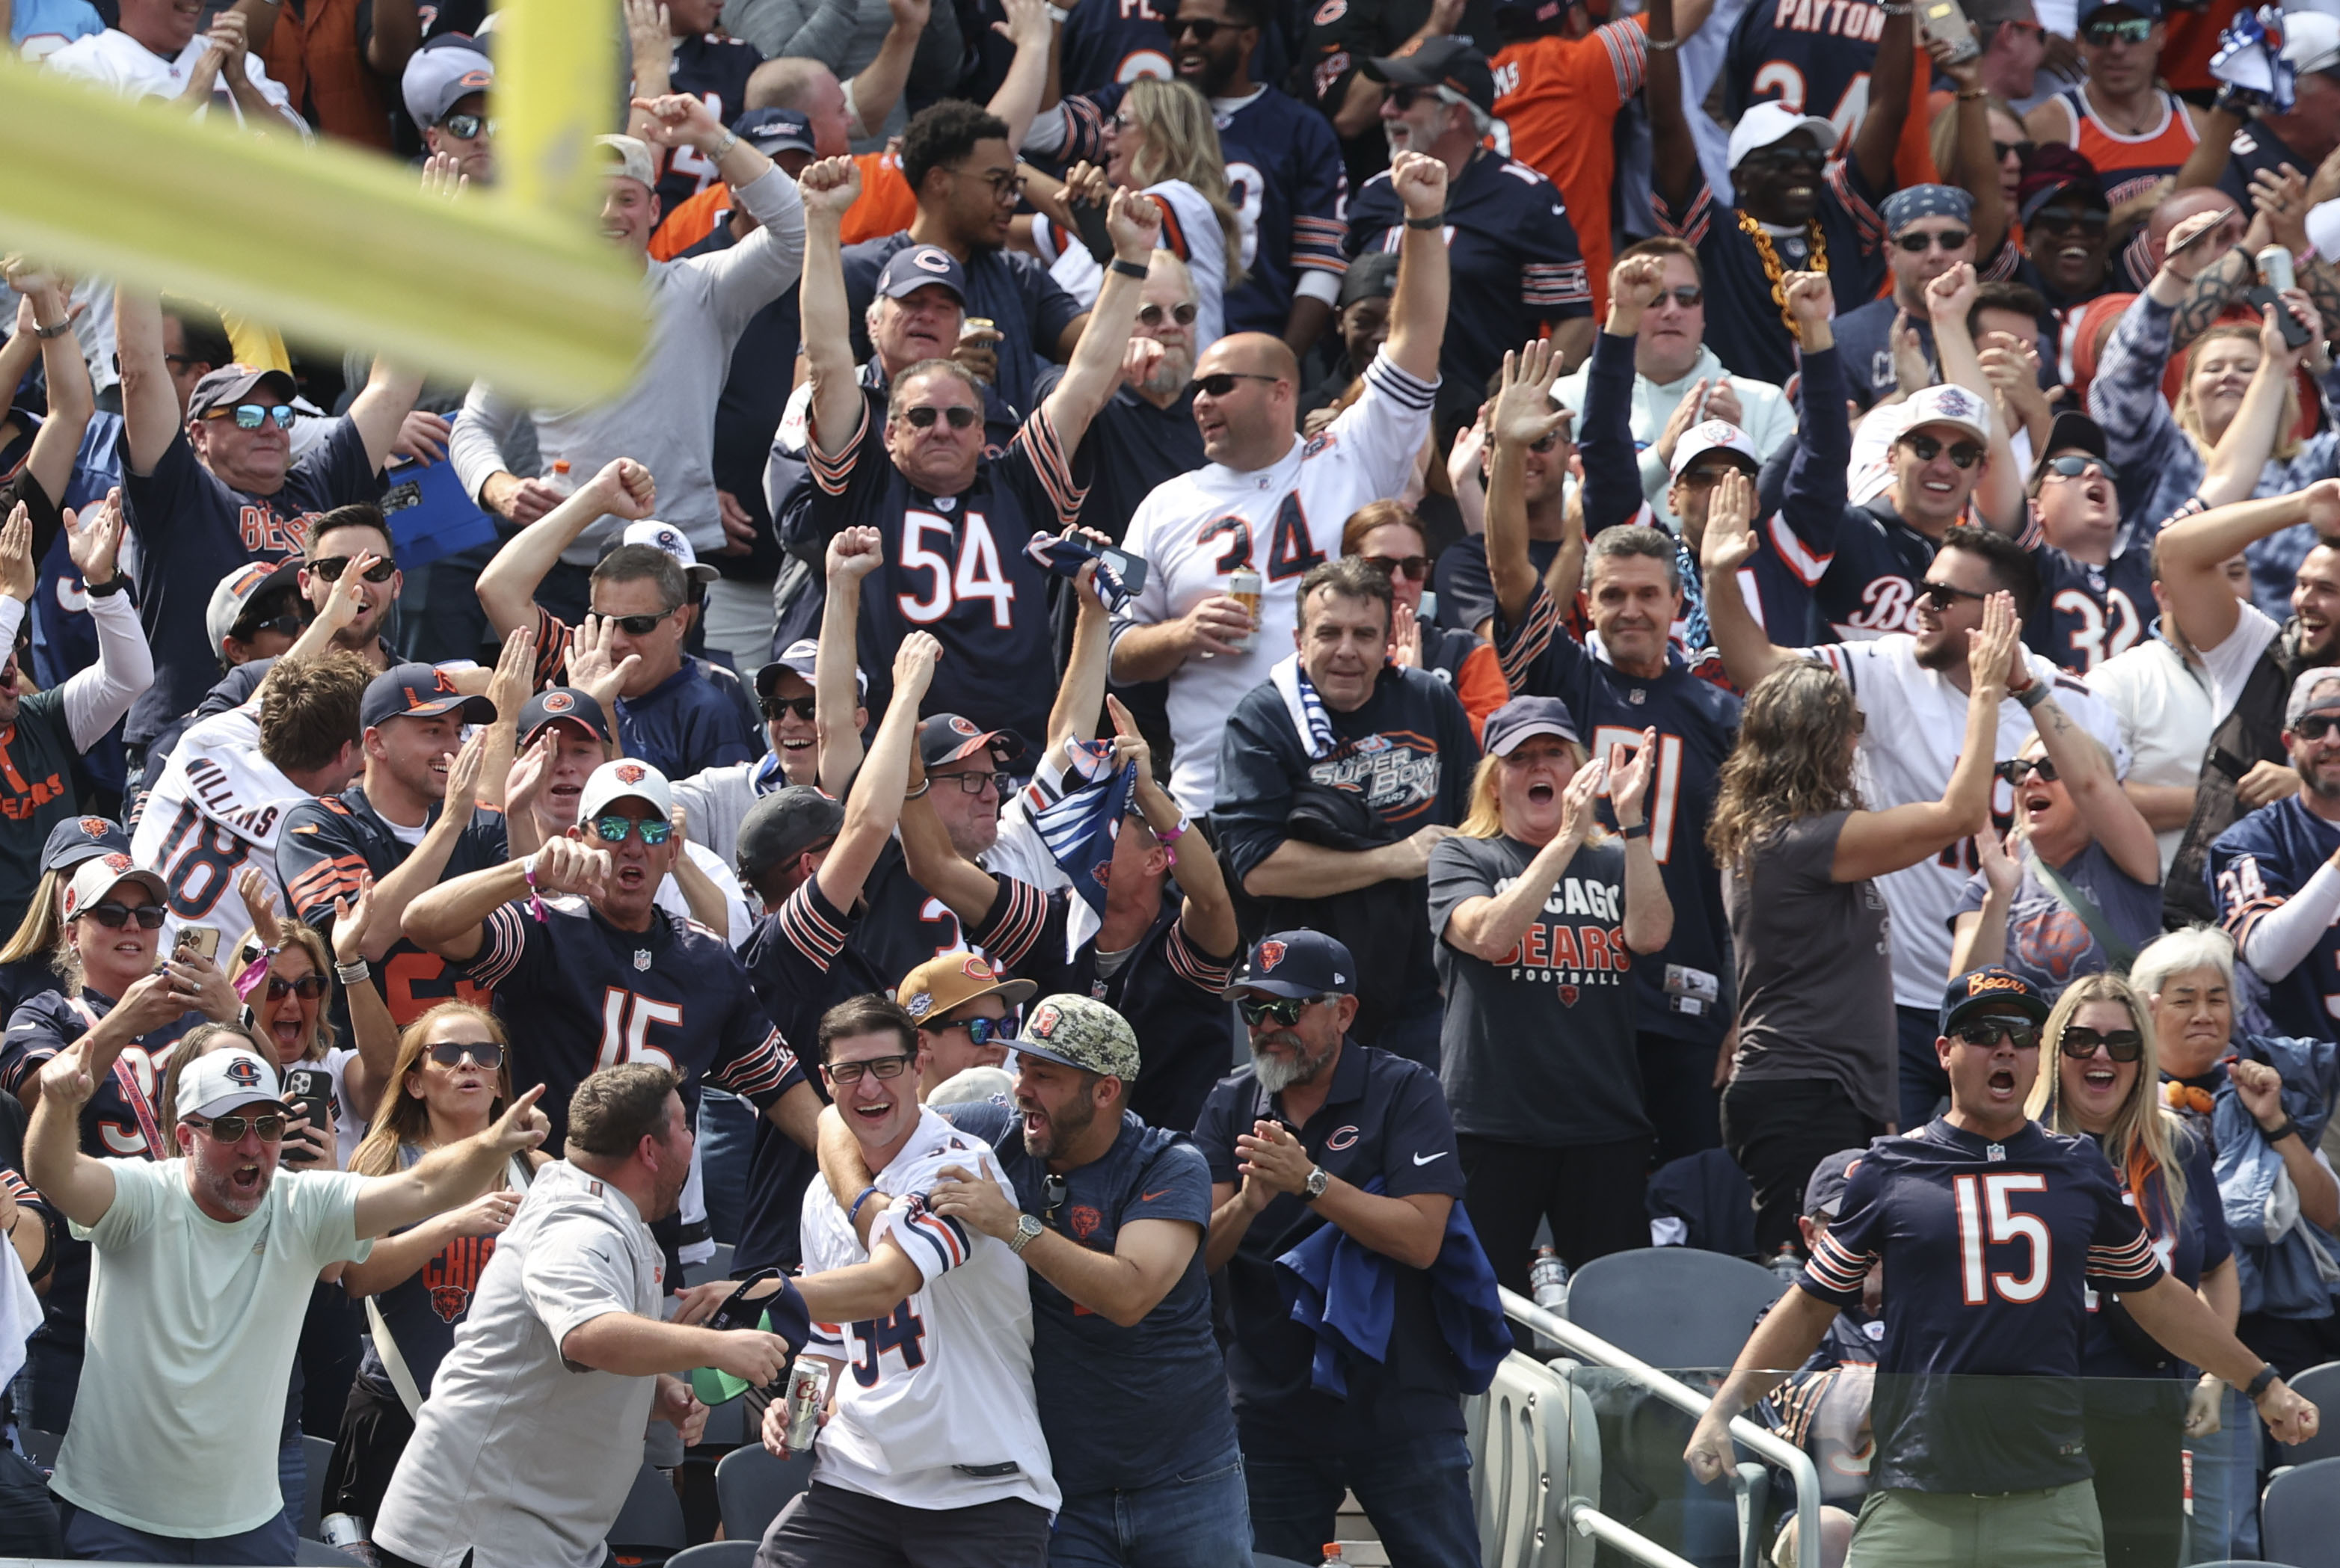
(805, 1379)
(977, 326)
(1244, 587)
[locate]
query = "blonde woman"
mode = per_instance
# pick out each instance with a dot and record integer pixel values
(1538, 914)
(2106, 1086)
(27, 961)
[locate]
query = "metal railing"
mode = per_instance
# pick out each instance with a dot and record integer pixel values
(1592, 1350)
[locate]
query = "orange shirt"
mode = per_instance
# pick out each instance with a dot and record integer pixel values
(886, 207)
(1558, 97)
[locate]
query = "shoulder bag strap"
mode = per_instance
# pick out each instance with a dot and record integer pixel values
(2118, 953)
(393, 1362)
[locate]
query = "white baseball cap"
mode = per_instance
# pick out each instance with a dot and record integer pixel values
(2311, 41)
(100, 875)
(667, 537)
(622, 780)
(1714, 435)
(216, 1083)
(1772, 122)
(1951, 405)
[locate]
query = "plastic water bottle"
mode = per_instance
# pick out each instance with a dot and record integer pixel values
(1786, 1263)
(1333, 1558)
(1548, 1280)
(559, 478)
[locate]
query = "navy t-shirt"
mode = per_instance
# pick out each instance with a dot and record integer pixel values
(1030, 308)
(2047, 943)
(1122, 1408)
(2189, 1247)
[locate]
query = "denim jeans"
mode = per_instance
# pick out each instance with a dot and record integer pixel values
(727, 1137)
(92, 1537)
(2225, 1519)
(1417, 1492)
(1196, 1520)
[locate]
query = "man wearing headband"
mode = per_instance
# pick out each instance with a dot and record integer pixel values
(1930, 229)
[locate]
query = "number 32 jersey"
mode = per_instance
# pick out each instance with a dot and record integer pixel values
(2257, 865)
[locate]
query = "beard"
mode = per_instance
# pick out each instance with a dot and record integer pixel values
(1277, 1074)
(1170, 374)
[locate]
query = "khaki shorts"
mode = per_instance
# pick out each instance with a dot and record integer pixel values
(2055, 1528)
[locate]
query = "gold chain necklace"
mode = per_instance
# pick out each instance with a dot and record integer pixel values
(1768, 254)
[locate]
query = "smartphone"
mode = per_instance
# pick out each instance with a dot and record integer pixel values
(308, 1092)
(204, 940)
(1130, 568)
(1942, 20)
(1089, 218)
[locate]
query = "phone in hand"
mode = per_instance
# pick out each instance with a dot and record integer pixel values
(1943, 20)
(308, 1092)
(1089, 217)
(201, 940)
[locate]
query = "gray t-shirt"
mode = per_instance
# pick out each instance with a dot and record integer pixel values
(1815, 966)
(1539, 1049)
(2050, 946)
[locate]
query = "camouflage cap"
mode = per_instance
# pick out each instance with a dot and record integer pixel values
(1079, 1032)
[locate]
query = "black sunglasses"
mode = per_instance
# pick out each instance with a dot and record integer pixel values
(1927, 448)
(1284, 1010)
(1221, 382)
(1942, 596)
(982, 1031)
(1686, 296)
(2086, 220)
(2015, 770)
(114, 917)
(883, 1067)
(2022, 149)
(640, 625)
(1414, 567)
(486, 1055)
(923, 416)
(2121, 1044)
(1786, 158)
(1150, 315)
(1988, 1031)
(308, 988)
(1948, 239)
(2315, 727)
(330, 566)
(285, 625)
(1204, 28)
(2074, 467)
(230, 1130)
(2132, 30)
(802, 707)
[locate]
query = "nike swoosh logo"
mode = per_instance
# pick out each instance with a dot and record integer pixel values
(1150, 1197)
(1425, 1159)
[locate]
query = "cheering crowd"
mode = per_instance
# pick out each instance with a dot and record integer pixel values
(1228, 667)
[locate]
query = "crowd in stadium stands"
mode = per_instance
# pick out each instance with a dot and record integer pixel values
(1237, 673)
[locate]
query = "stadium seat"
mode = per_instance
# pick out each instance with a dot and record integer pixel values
(650, 1527)
(2241, 1562)
(2322, 1385)
(40, 1447)
(753, 1486)
(716, 1554)
(2299, 1516)
(317, 1456)
(317, 1555)
(1676, 1308)
(716, 1267)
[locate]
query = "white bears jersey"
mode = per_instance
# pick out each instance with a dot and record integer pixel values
(1190, 231)
(218, 807)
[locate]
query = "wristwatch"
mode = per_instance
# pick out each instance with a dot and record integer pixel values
(1027, 1226)
(1318, 1178)
(2261, 1383)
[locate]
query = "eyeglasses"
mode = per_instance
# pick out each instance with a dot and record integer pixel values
(1203, 28)
(982, 1031)
(1927, 448)
(923, 417)
(114, 917)
(330, 566)
(2074, 467)
(881, 1066)
(2315, 727)
(1004, 184)
(640, 625)
(2131, 30)
(1787, 159)
(467, 128)
(974, 782)
(2022, 150)
(613, 829)
(803, 708)
(230, 1130)
(486, 1055)
(308, 988)
(285, 625)
(2121, 1044)
(1221, 382)
(1948, 239)
(2015, 770)
(1406, 96)
(1686, 296)
(1942, 595)
(1989, 1031)
(1284, 1010)
(1414, 567)
(252, 415)
(1150, 315)
(1549, 440)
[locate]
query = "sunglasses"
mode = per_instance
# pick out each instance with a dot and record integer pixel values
(1942, 596)
(1414, 567)
(802, 707)
(2022, 1035)
(1948, 239)
(114, 917)
(1687, 296)
(2074, 467)
(923, 417)
(2134, 30)
(882, 1067)
(1203, 28)
(2087, 221)
(1790, 158)
(2016, 769)
(467, 128)
(1150, 315)
(486, 1055)
(1284, 1010)
(2315, 727)
(308, 988)
(2121, 1044)
(330, 566)
(1546, 442)
(968, 783)
(230, 1130)
(1927, 448)
(1220, 383)
(639, 625)
(982, 1031)
(252, 415)
(1708, 478)
(613, 829)
(2022, 149)
(285, 625)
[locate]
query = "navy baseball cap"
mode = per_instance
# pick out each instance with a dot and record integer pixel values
(1824, 1193)
(555, 703)
(782, 826)
(770, 130)
(1446, 61)
(2072, 432)
(947, 737)
(1992, 990)
(1525, 716)
(79, 839)
(420, 692)
(913, 267)
(1302, 963)
(1372, 276)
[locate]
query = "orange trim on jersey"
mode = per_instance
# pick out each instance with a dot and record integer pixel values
(1174, 237)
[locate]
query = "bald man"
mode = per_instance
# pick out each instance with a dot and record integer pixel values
(2151, 244)
(1269, 505)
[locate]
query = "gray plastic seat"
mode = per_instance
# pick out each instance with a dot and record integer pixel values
(1675, 1307)
(649, 1528)
(2299, 1516)
(752, 1485)
(716, 1554)
(2322, 1385)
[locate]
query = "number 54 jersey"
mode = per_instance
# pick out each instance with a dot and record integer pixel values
(935, 1407)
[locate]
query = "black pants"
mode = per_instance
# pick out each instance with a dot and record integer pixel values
(1593, 1195)
(1677, 1093)
(389, 1559)
(1779, 1130)
(2135, 1429)
(375, 1432)
(28, 1517)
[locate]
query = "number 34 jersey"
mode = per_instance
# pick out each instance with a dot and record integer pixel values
(935, 1407)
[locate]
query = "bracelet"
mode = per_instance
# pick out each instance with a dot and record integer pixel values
(921, 789)
(2262, 1382)
(1663, 46)
(355, 973)
(2290, 1125)
(1057, 13)
(45, 334)
(1436, 222)
(716, 153)
(1972, 95)
(1129, 269)
(1170, 836)
(2031, 696)
(1638, 830)
(117, 583)
(853, 1214)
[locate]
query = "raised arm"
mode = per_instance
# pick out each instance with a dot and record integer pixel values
(2085, 769)
(1418, 308)
(1674, 159)
(381, 408)
(875, 805)
(507, 585)
(96, 698)
(1521, 414)
(374, 1030)
(1748, 655)
(878, 87)
(1978, 937)
(1976, 169)
(1891, 81)
(77, 1186)
(1093, 374)
(1605, 436)
(2242, 453)
(1949, 300)
(46, 315)
(853, 554)
(1081, 694)
(2193, 551)
(1025, 85)
(830, 187)
(150, 402)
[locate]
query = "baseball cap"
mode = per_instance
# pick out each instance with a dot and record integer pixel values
(419, 691)
(665, 536)
(1824, 1190)
(2147, 8)
(801, 657)
(913, 267)
(949, 981)
(2072, 430)
(2304, 699)
(1714, 435)
(241, 589)
(1771, 122)
(1081, 1032)
(974, 1085)
(1446, 61)
(1951, 405)
(443, 73)
(216, 1083)
(631, 156)
(1372, 276)
(770, 130)
(625, 780)
(564, 702)
(782, 826)
(231, 384)
(768, 1301)
(1991, 990)
(1302, 963)
(79, 839)
(947, 737)
(2054, 169)
(1523, 717)
(2311, 41)
(100, 874)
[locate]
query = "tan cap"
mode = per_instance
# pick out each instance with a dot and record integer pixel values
(945, 983)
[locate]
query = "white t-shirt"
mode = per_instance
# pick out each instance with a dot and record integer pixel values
(1917, 722)
(519, 1457)
(114, 59)
(2163, 704)
(192, 1323)
(950, 1372)
(1197, 528)
(2229, 665)
(219, 807)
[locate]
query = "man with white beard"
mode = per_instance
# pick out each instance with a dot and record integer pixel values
(1146, 434)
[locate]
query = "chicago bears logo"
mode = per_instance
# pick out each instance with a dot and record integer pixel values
(1568, 995)
(964, 726)
(559, 702)
(448, 1301)
(631, 772)
(243, 1072)
(1044, 1022)
(96, 827)
(974, 967)
(1085, 1221)
(117, 862)
(1270, 955)
(1330, 11)
(1983, 980)
(1342, 1137)
(927, 259)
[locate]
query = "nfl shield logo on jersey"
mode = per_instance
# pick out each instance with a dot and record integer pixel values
(641, 959)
